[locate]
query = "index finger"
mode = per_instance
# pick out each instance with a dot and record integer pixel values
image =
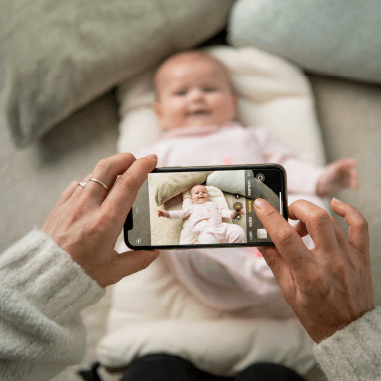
(288, 242)
(358, 235)
(106, 171)
(317, 222)
(124, 191)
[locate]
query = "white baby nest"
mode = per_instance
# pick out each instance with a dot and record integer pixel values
(152, 311)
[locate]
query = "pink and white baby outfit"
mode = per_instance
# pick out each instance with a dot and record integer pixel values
(233, 279)
(233, 144)
(206, 223)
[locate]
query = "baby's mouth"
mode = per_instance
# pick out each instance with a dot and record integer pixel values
(199, 113)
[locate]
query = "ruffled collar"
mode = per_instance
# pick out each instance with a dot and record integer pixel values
(196, 131)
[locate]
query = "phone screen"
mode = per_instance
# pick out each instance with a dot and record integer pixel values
(192, 207)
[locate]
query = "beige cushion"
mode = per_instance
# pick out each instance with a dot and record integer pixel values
(56, 56)
(168, 185)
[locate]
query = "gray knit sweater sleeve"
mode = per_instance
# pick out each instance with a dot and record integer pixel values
(353, 352)
(42, 291)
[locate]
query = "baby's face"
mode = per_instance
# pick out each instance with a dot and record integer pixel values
(193, 91)
(199, 194)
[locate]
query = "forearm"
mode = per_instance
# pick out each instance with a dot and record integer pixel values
(302, 177)
(226, 213)
(353, 353)
(42, 292)
(177, 214)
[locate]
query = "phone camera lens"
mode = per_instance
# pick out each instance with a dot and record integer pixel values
(138, 241)
(260, 177)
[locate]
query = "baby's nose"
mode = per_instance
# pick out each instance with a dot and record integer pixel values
(196, 93)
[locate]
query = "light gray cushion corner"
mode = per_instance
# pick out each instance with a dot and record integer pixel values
(331, 37)
(55, 57)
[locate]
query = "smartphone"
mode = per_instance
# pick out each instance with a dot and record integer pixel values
(204, 207)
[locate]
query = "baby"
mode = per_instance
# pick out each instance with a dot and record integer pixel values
(196, 107)
(205, 218)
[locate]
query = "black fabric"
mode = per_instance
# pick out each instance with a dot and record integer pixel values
(164, 367)
(218, 39)
(91, 374)
(269, 372)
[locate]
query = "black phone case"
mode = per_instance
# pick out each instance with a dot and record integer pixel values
(129, 220)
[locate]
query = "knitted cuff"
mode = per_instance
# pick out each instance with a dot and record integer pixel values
(353, 352)
(47, 276)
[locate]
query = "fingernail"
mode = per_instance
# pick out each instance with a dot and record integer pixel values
(337, 201)
(260, 203)
(151, 156)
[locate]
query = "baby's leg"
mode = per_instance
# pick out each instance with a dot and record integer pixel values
(234, 233)
(208, 237)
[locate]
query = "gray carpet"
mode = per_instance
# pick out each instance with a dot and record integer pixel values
(33, 179)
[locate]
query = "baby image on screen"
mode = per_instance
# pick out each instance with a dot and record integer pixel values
(205, 218)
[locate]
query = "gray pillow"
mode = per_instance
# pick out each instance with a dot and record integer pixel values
(334, 37)
(234, 182)
(56, 56)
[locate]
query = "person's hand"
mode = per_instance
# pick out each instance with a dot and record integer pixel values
(162, 213)
(337, 176)
(329, 286)
(87, 221)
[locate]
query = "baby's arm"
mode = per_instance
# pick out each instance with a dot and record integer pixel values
(337, 176)
(179, 214)
(227, 213)
(302, 176)
(163, 213)
(236, 211)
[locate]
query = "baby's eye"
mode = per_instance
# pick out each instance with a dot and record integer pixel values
(209, 89)
(181, 92)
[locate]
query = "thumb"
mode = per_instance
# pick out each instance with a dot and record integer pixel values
(279, 267)
(131, 262)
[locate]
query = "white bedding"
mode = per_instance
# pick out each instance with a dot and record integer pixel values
(152, 310)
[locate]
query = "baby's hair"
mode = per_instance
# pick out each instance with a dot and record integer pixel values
(203, 185)
(197, 54)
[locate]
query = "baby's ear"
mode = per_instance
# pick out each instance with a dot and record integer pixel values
(235, 99)
(157, 109)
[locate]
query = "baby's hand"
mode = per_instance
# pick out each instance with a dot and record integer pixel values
(337, 176)
(237, 210)
(162, 213)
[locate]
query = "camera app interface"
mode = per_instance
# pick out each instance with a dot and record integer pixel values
(203, 208)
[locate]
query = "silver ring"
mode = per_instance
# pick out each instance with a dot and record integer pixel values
(82, 183)
(100, 183)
